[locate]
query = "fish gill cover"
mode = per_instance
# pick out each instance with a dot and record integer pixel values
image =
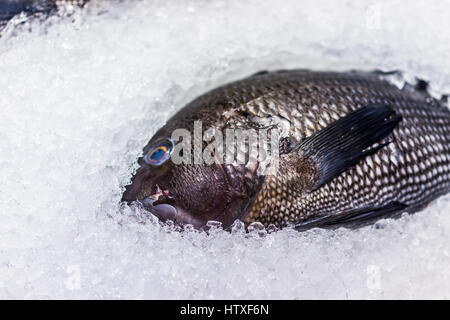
(81, 95)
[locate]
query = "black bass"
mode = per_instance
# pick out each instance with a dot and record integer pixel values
(352, 148)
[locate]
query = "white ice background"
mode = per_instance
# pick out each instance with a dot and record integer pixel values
(81, 96)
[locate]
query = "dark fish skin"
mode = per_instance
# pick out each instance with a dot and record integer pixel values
(410, 168)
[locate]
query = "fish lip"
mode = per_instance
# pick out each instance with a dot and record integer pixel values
(163, 210)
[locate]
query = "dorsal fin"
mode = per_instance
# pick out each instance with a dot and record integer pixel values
(259, 73)
(263, 72)
(421, 85)
(420, 88)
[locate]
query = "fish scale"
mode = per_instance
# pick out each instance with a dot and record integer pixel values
(386, 180)
(405, 169)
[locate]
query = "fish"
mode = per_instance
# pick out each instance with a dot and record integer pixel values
(352, 148)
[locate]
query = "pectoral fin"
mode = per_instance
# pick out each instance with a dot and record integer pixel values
(344, 143)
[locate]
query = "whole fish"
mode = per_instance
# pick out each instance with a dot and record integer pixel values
(352, 148)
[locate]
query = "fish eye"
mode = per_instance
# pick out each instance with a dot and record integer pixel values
(159, 153)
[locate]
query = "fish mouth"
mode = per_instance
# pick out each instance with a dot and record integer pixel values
(161, 204)
(164, 211)
(164, 207)
(167, 204)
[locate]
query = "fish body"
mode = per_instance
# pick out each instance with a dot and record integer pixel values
(352, 148)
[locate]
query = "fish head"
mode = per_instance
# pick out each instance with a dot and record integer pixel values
(185, 193)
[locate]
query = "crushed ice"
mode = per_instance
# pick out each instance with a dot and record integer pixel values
(80, 96)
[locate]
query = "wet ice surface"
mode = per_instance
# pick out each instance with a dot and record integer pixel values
(81, 96)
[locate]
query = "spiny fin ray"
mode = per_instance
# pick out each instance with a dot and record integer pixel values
(347, 141)
(354, 218)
